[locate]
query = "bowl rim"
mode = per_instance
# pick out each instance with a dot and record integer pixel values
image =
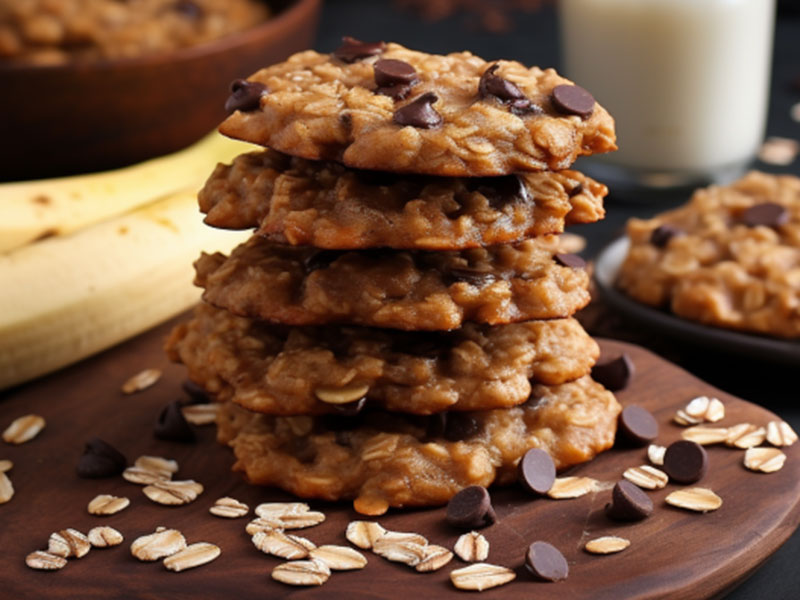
(226, 43)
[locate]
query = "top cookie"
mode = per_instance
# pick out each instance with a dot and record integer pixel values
(385, 107)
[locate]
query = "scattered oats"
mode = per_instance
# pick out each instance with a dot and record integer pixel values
(6, 465)
(697, 498)
(683, 418)
(403, 536)
(68, 543)
(571, 487)
(766, 460)
(404, 548)
(608, 544)
(339, 558)
(705, 436)
(705, 409)
(794, 112)
(745, 435)
(778, 151)
(283, 545)
(472, 547)
(173, 492)
(147, 470)
(481, 576)
(288, 515)
(44, 561)
(302, 572)
(571, 243)
(435, 558)
(780, 433)
(646, 477)
(141, 381)
(655, 454)
(143, 476)
(201, 414)
(105, 504)
(6, 488)
(164, 542)
(363, 533)
(259, 524)
(341, 395)
(230, 508)
(104, 537)
(23, 429)
(192, 556)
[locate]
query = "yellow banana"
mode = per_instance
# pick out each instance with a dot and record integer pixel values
(33, 210)
(65, 298)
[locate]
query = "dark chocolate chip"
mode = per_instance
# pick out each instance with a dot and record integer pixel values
(391, 72)
(245, 96)
(400, 91)
(576, 190)
(188, 9)
(100, 459)
(196, 393)
(629, 503)
(499, 189)
(471, 508)
(615, 374)
(320, 260)
(352, 49)
(172, 426)
(471, 276)
(523, 107)
(545, 562)
(767, 214)
(536, 471)
(685, 461)
(350, 409)
(460, 426)
(637, 425)
(573, 99)
(437, 425)
(494, 85)
(570, 260)
(419, 113)
(663, 234)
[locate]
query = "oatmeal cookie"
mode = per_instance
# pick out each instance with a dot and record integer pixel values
(729, 258)
(385, 107)
(385, 459)
(326, 205)
(399, 289)
(314, 370)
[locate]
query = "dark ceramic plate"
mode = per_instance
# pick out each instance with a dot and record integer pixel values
(606, 268)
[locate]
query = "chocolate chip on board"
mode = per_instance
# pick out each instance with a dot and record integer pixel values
(245, 95)
(172, 425)
(685, 461)
(616, 374)
(767, 214)
(352, 49)
(545, 562)
(662, 234)
(573, 99)
(629, 503)
(389, 72)
(536, 471)
(471, 508)
(419, 113)
(637, 425)
(100, 459)
(570, 260)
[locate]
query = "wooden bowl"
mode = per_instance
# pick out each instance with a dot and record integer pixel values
(75, 118)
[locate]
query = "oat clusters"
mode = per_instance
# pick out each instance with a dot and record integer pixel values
(399, 327)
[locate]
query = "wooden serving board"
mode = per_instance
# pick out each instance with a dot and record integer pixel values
(673, 554)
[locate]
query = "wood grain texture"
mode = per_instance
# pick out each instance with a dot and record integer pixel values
(674, 554)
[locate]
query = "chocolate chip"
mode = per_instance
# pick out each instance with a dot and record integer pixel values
(196, 393)
(245, 96)
(767, 214)
(395, 92)
(536, 471)
(499, 189)
(350, 409)
(437, 425)
(172, 426)
(352, 49)
(100, 459)
(615, 374)
(573, 99)
(570, 260)
(460, 426)
(498, 87)
(629, 503)
(321, 259)
(637, 425)
(188, 9)
(576, 190)
(419, 113)
(523, 107)
(471, 508)
(685, 461)
(389, 71)
(663, 234)
(471, 276)
(545, 562)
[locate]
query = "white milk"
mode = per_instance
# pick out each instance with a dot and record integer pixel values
(686, 80)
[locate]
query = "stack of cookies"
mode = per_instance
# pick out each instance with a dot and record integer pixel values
(399, 326)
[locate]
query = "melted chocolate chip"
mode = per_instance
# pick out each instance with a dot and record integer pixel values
(536, 471)
(546, 562)
(471, 508)
(637, 426)
(523, 107)
(100, 459)
(419, 113)
(473, 277)
(573, 100)
(629, 503)
(662, 234)
(615, 374)
(494, 85)
(499, 190)
(685, 461)
(389, 71)
(437, 425)
(172, 426)
(351, 409)
(245, 96)
(570, 260)
(321, 259)
(352, 49)
(576, 190)
(460, 426)
(767, 214)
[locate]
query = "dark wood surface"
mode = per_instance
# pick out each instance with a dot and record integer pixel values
(674, 554)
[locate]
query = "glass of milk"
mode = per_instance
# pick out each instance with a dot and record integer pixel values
(686, 81)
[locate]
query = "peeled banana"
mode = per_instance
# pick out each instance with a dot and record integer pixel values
(33, 210)
(67, 297)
